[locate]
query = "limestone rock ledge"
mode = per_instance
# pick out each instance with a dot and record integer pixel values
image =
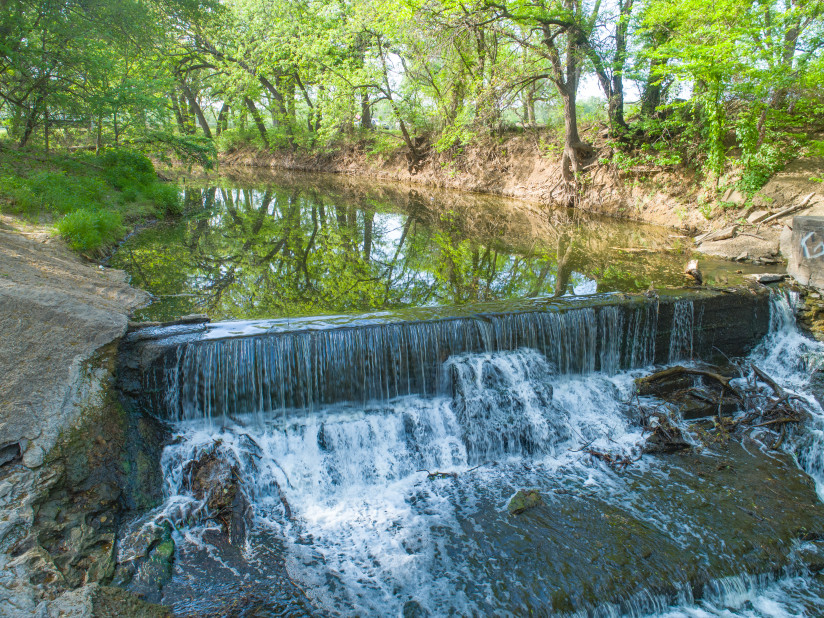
(57, 514)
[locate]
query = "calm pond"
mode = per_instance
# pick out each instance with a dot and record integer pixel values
(288, 245)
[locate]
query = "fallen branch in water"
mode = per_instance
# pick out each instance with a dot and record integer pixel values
(616, 461)
(678, 370)
(780, 393)
(439, 475)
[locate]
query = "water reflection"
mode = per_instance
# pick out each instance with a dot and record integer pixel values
(308, 246)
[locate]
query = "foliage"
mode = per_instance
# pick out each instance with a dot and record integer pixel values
(88, 196)
(89, 229)
(181, 80)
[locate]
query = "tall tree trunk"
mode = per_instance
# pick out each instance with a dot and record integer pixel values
(222, 119)
(31, 122)
(529, 103)
(652, 95)
(196, 109)
(366, 111)
(181, 125)
(570, 162)
(46, 127)
(258, 120)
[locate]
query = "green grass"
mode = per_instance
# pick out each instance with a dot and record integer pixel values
(91, 200)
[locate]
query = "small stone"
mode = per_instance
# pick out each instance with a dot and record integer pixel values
(33, 457)
(524, 500)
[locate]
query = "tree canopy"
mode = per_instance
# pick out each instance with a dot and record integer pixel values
(177, 75)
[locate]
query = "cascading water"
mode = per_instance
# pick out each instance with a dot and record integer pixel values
(392, 500)
(306, 371)
(681, 344)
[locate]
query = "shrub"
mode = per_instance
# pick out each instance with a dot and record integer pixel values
(52, 192)
(166, 197)
(126, 169)
(90, 229)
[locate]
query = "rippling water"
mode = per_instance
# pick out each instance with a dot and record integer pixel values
(400, 509)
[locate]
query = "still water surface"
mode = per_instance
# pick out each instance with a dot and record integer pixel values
(298, 245)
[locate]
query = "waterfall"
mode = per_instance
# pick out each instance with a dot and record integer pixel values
(681, 335)
(283, 373)
(794, 361)
(382, 458)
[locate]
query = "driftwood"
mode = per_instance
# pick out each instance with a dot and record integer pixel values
(616, 461)
(678, 370)
(439, 475)
(772, 408)
(790, 210)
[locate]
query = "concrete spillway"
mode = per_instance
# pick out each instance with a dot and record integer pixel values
(282, 367)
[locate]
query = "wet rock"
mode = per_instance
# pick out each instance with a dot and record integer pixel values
(810, 315)
(62, 536)
(156, 571)
(215, 481)
(413, 609)
(695, 404)
(112, 601)
(811, 555)
(765, 278)
(524, 500)
(666, 437)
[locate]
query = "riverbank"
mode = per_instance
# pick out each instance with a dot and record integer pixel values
(523, 168)
(63, 434)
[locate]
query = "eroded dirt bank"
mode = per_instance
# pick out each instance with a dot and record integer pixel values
(68, 468)
(522, 167)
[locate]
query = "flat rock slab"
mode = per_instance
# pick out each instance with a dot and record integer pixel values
(55, 311)
(807, 256)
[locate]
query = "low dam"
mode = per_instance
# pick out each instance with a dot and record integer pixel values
(273, 367)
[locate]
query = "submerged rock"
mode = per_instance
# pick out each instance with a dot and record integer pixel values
(524, 500)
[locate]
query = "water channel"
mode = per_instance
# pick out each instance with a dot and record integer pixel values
(377, 483)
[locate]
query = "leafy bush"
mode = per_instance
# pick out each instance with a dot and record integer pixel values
(94, 195)
(90, 229)
(231, 140)
(52, 192)
(127, 169)
(166, 197)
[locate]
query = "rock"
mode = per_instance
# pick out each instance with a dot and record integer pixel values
(9, 452)
(112, 601)
(33, 457)
(758, 216)
(523, 500)
(723, 234)
(765, 278)
(193, 318)
(806, 262)
(665, 438)
(743, 257)
(733, 196)
(413, 609)
(216, 482)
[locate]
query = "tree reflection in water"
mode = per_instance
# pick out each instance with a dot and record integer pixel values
(293, 249)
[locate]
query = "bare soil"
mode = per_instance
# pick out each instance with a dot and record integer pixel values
(524, 167)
